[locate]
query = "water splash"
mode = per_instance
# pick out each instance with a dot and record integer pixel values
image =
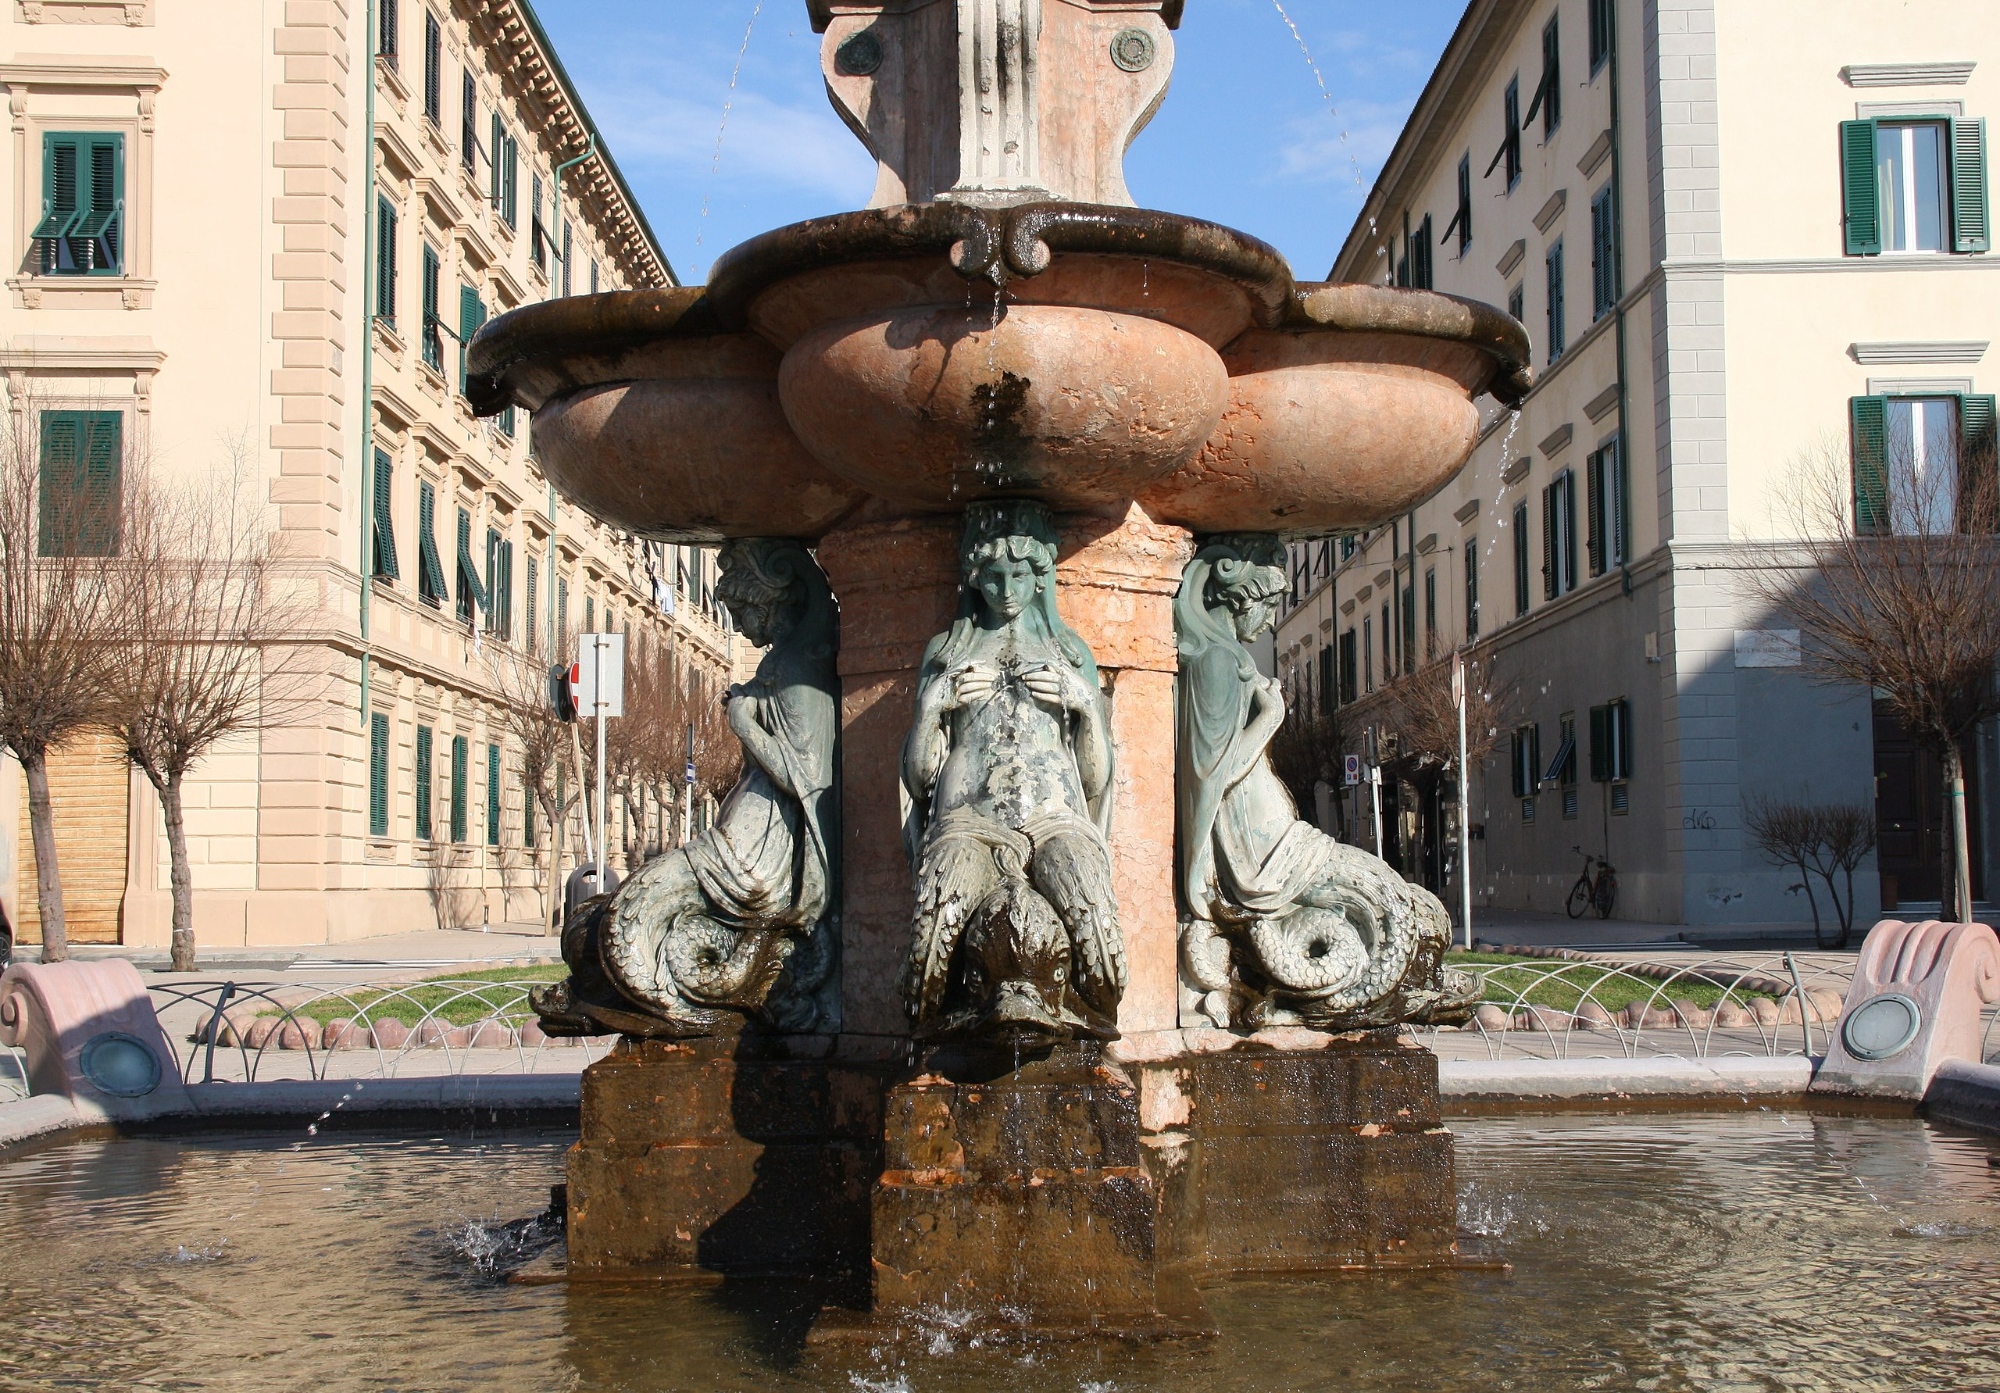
(491, 1246)
(723, 126)
(895, 1383)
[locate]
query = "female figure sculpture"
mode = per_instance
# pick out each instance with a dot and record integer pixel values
(745, 917)
(1007, 782)
(1284, 924)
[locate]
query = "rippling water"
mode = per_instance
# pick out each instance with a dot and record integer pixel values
(1753, 1251)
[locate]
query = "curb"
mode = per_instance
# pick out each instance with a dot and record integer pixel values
(1966, 1095)
(1529, 1080)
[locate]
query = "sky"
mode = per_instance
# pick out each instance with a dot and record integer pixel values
(1246, 137)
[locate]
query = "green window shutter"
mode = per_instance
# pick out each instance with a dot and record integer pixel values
(1600, 744)
(82, 227)
(385, 262)
(527, 814)
(1548, 541)
(461, 751)
(61, 159)
(384, 522)
(378, 775)
(433, 342)
(1861, 209)
(1869, 417)
(493, 795)
(1620, 717)
(430, 572)
(471, 314)
(1978, 457)
(1971, 227)
(1593, 511)
(493, 151)
(82, 483)
(424, 775)
(473, 595)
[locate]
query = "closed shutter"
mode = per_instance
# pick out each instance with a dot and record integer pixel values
(471, 590)
(460, 757)
(1548, 541)
(81, 484)
(425, 773)
(385, 262)
(1860, 208)
(1870, 420)
(378, 775)
(471, 314)
(1971, 228)
(90, 783)
(1600, 744)
(384, 522)
(433, 68)
(528, 626)
(527, 814)
(1517, 762)
(468, 123)
(1979, 459)
(493, 795)
(493, 154)
(1593, 511)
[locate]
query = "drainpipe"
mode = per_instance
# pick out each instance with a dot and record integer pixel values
(367, 457)
(555, 181)
(1618, 328)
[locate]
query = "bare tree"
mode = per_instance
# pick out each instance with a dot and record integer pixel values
(200, 656)
(1825, 839)
(61, 522)
(1890, 576)
(1422, 712)
(527, 712)
(1306, 752)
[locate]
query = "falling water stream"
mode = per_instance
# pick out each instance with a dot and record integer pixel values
(722, 126)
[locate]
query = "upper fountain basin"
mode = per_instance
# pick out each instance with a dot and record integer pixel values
(937, 354)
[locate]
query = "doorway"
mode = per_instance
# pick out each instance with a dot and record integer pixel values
(1909, 815)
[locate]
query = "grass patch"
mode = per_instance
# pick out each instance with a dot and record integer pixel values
(1559, 985)
(457, 998)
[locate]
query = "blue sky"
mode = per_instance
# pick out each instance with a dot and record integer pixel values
(1245, 136)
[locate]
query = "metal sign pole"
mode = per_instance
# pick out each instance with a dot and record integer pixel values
(1375, 802)
(687, 789)
(603, 830)
(1458, 693)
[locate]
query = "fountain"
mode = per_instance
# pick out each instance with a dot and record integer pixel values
(1009, 982)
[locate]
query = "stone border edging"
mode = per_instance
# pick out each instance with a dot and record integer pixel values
(1966, 1095)
(1529, 1080)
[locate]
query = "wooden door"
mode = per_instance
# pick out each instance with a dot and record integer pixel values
(90, 786)
(1909, 815)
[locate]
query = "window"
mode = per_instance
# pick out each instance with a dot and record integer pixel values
(82, 231)
(527, 813)
(1606, 275)
(1409, 634)
(385, 262)
(386, 47)
(433, 69)
(593, 276)
(528, 628)
(1430, 612)
(472, 595)
(1348, 677)
(468, 125)
(1510, 141)
(1517, 303)
(500, 585)
(471, 314)
(1906, 457)
(1326, 679)
(1368, 653)
(538, 237)
(426, 771)
(494, 795)
(1471, 589)
(1559, 536)
(503, 420)
(1554, 263)
(1346, 548)
(504, 185)
(590, 614)
(1520, 558)
(1562, 769)
(1548, 92)
(383, 524)
(378, 774)
(1603, 28)
(1611, 742)
(461, 754)
(81, 508)
(1604, 508)
(561, 630)
(1388, 645)
(1414, 268)
(430, 574)
(1527, 760)
(433, 341)
(1914, 186)
(1461, 221)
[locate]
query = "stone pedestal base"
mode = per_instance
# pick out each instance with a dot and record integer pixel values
(1016, 1195)
(732, 1156)
(1080, 1191)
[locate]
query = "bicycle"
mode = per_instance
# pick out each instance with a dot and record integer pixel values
(1598, 892)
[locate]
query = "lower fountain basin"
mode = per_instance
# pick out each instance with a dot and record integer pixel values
(1646, 1250)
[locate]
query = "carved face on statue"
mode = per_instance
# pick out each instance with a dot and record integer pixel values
(1009, 574)
(759, 600)
(1248, 587)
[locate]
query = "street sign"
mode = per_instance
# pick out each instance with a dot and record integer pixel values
(690, 773)
(1351, 771)
(599, 656)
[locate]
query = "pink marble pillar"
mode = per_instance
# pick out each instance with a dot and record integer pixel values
(1116, 580)
(897, 583)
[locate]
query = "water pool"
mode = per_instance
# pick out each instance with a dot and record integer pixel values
(1757, 1250)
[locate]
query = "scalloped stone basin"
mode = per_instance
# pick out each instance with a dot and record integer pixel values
(937, 404)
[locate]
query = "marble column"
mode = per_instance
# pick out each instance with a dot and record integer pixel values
(1116, 580)
(897, 583)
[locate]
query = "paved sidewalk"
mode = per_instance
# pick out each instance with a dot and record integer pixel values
(390, 957)
(1507, 926)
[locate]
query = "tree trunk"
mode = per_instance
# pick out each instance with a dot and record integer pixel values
(183, 875)
(48, 876)
(552, 905)
(1957, 889)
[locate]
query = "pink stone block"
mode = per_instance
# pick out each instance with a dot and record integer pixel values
(491, 1035)
(1915, 1001)
(389, 1034)
(56, 1013)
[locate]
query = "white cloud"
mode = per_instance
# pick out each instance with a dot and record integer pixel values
(1347, 147)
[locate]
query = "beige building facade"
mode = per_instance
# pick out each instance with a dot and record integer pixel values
(1748, 239)
(267, 227)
